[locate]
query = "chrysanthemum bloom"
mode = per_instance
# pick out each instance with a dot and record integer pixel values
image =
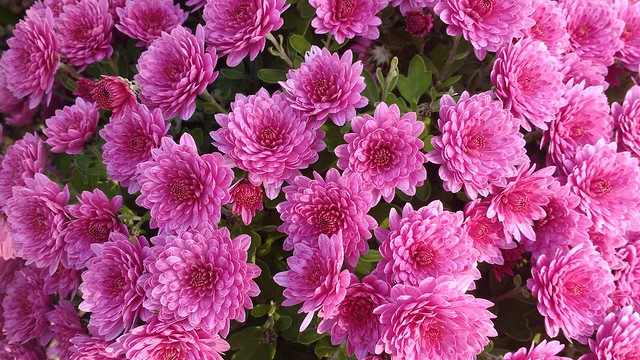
(578, 69)
(418, 23)
(25, 307)
(608, 245)
(95, 217)
(113, 93)
(487, 234)
(583, 120)
(543, 351)
(406, 6)
(269, 139)
(158, 340)
(37, 217)
(594, 29)
(65, 324)
(72, 127)
(174, 71)
(511, 258)
(428, 242)
(85, 347)
(8, 270)
(56, 5)
(327, 85)
(145, 20)
(487, 24)
(353, 318)
(32, 59)
(346, 19)
(197, 4)
(608, 184)
(573, 289)
(10, 104)
(629, 54)
(627, 275)
(110, 287)
(528, 80)
(518, 204)
(318, 206)
(84, 88)
(449, 323)
(27, 351)
(201, 279)
(550, 26)
(246, 199)
(181, 188)
(63, 282)
(626, 117)
(618, 336)
(480, 144)
(25, 158)
(238, 28)
(84, 32)
(315, 279)
(130, 135)
(385, 151)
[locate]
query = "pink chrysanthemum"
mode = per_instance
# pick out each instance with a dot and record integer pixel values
(346, 19)
(174, 71)
(385, 151)
(37, 217)
(626, 117)
(65, 324)
(543, 351)
(181, 188)
(72, 127)
(528, 80)
(84, 32)
(607, 245)
(63, 282)
(511, 258)
(617, 338)
(418, 23)
(85, 347)
(238, 28)
(629, 54)
(550, 26)
(407, 6)
(578, 69)
(10, 104)
(428, 242)
(201, 279)
(113, 93)
(594, 29)
(315, 279)
(157, 340)
(110, 287)
(448, 322)
(317, 206)
(327, 85)
(25, 158)
(608, 184)
(353, 319)
(627, 275)
(487, 24)
(130, 136)
(583, 120)
(27, 351)
(487, 234)
(32, 59)
(480, 144)
(95, 218)
(145, 20)
(246, 199)
(269, 139)
(573, 289)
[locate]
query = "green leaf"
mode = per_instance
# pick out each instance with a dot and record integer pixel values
(372, 91)
(272, 76)
(236, 73)
(427, 143)
(68, 83)
(299, 44)
(250, 345)
(324, 348)
(417, 81)
(309, 336)
(260, 310)
(282, 324)
(305, 9)
(371, 256)
(450, 81)
(514, 325)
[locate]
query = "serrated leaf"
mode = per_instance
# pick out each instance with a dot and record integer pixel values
(272, 76)
(299, 44)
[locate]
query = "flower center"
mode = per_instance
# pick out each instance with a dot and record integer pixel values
(359, 310)
(99, 232)
(269, 137)
(381, 157)
(320, 88)
(627, 33)
(137, 144)
(314, 278)
(537, 30)
(577, 132)
(39, 223)
(328, 221)
(581, 33)
(241, 13)
(344, 8)
(202, 278)
(182, 189)
(575, 289)
(521, 202)
(173, 73)
(424, 256)
(154, 20)
(478, 142)
(117, 284)
(82, 29)
(171, 354)
(483, 7)
(600, 187)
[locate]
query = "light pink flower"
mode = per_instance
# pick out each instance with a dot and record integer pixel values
(145, 20)
(629, 12)
(487, 234)
(579, 69)
(618, 336)
(72, 127)
(346, 19)
(626, 117)
(85, 347)
(543, 351)
(550, 26)
(6, 242)
(627, 275)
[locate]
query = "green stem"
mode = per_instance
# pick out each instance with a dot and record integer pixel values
(452, 54)
(327, 41)
(210, 99)
(508, 295)
(69, 69)
(280, 49)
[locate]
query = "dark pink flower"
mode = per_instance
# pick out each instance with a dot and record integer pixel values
(418, 23)
(65, 324)
(27, 351)
(487, 234)
(63, 282)
(511, 258)
(406, 6)
(618, 336)
(543, 351)
(246, 199)
(145, 20)
(346, 19)
(113, 93)
(72, 127)
(84, 88)
(25, 158)
(627, 275)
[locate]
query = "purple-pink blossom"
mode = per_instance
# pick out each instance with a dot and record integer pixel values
(579, 69)
(145, 20)
(487, 234)
(112, 93)
(550, 26)
(65, 325)
(626, 117)
(618, 336)
(25, 158)
(543, 351)
(346, 19)
(93, 348)
(246, 198)
(71, 127)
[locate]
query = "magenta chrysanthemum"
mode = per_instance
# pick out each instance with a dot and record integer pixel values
(487, 24)
(480, 144)
(317, 206)
(201, 279)
(550, 26)
(65, 324)
(627, 275)
(32, 59)
(418, 23)
(72, 127)
(85, 347)
(27, 351)
(573, 289)
(518, 204)
(346, 19)
(617, 338)
(246, 199)
(63, 282)
(428, 242)
(407, 6)
(110, 287)
(353, 318)
(84, 32)
(174, 71)
(315, 279)
(130, 136)
(181, 188)
(626, 117)
(95, 217)
(111, 93)
(385, 151)
(37, 217)
(25, 158)
(629, 54)
(327, 85)
(487, 234)
(238, 28)
(269, 139)
(145, 20)
(578, 69)
(543, 351)
(528, 80)
(449, 323)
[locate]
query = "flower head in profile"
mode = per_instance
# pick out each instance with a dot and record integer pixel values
(113, 93)
(174, 71)
(439, 313)
(543, 351)
(65, 325)
(487, 234)
(246, 199)
(86, 347)
(268, 138)
(239, 28)
(145, 20)
(25, 158)
(550, 26)
(579, 69)
(346, 19)
(72, 127)
(385, 151)
(573, 289)
(626, 117)
(618, 336)
(327, 85)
